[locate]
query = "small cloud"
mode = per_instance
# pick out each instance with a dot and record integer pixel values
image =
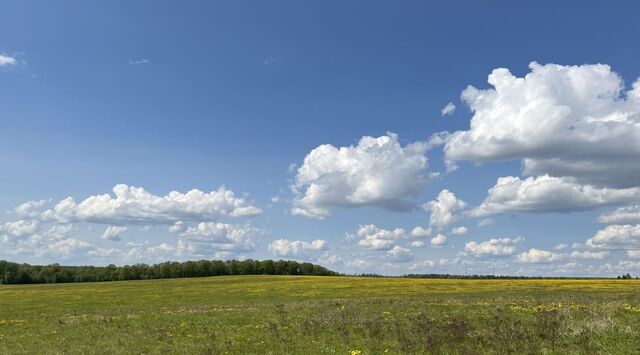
(449, 109)
(139, 61)
(486, 222)
(561, 246)
(7, 60)
(459, 230)
(113, 233)
(270, 60)
(439, 240)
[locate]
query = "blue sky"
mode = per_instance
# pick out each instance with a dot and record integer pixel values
(171, 96)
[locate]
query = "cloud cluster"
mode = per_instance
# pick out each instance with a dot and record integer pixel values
(399, 254)
(375, 172)
(538, 256)
(208, 238)
(375, 238)
(296, 248)
(563, 121)
(622, 215)
(134, 205)
(549, 194)
(495, 247)
(616, 237)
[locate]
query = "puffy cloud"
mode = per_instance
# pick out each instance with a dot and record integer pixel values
(420, 232)
(495, 247)
(29, 208)
(289, 248)
(564, 121)
(622, 215)
(616, 237)
(549, 194)
(449, 109)
(7, 60)
(417, 244)
(399, 254)
(376, 172)
(588, 255)
(113, 232)
(377, 238)
(29, 238)
(538, 256)
(439, 240)
(134, 205)
(459, 230)
(18, 229)
(207, 238)
(445, 209)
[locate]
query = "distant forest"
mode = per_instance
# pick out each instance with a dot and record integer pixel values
(13, 273)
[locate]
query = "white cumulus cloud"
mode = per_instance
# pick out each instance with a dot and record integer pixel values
(375, 172)
(399, 254)
(622, 215)
(549, 194)
(7, 60)
(578, 122)
(495, 247)
(538, 256)
(134, 205)
(439, 240)
(293, 248)
(375, 238)
(113, 232)
(445, 209)
(207, 238)
(616, 237)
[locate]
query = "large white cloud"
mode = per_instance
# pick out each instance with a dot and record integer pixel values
(293, 248)
(134, 205)
(577, 122)
(375, 172)
(445, 209)
(549, 194)
(495, 247)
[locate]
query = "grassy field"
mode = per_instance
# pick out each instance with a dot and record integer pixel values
(316, 315)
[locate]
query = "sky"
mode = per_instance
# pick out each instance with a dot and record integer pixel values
(366, 136)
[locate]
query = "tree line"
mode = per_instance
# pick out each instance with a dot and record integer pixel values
(14, 273)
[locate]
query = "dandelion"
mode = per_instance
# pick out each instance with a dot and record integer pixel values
(355, 352)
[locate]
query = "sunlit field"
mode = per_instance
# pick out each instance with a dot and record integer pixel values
(310, 315)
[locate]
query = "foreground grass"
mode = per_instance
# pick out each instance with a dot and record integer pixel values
(342, 315)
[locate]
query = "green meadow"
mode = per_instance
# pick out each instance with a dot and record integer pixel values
(317, 315)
